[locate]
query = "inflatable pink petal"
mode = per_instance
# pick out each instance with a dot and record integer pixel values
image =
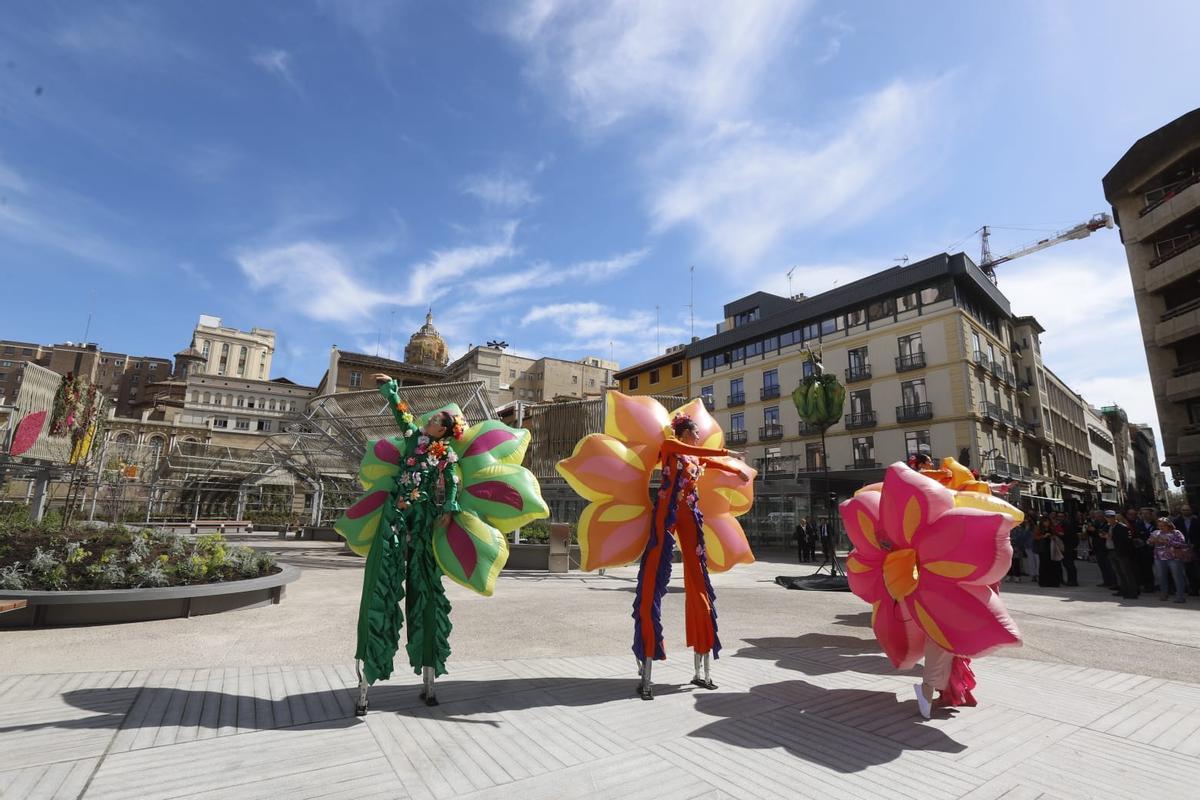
(969, 545)
(901, 638)
(966, 620)
(27, 433)
(908, 501)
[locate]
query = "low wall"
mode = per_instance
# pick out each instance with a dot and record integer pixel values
(138, 605)
(535, 556)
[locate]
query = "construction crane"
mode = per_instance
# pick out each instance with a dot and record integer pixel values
(988, 263)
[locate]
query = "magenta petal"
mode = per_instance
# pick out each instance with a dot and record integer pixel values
(968, 536)
(386, 451)
(497, 492)
(367, 505)
(27, 432)
(464, 550)
(901, 638)
(488, 441)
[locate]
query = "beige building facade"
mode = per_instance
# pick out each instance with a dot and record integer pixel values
(510, 377)
(231, 352)
(1154, 191)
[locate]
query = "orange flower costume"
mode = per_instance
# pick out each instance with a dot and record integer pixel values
(703, 489)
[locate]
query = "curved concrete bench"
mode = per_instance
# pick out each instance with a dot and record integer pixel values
(96, 607)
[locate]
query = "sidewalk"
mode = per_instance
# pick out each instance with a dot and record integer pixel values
(815, 715)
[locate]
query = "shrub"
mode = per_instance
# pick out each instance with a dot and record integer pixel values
(11, 578)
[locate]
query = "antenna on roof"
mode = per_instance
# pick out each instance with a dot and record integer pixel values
(903, 260)
(789, 274)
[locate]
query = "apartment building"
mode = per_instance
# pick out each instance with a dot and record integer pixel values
(232, 352)
(1105, 472)
(351, 372)
(666, 374)
(925, 351)
(1154, 191)
(510, 377)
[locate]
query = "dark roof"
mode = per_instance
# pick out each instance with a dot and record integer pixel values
(1029, 320)
(853, 295)
(657, 361)
(363, 358)
(281, 379)
(765, 302)
(1149, 151)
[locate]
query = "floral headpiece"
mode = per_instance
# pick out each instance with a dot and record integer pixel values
(681, 422)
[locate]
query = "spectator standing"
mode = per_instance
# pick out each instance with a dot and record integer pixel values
(1095, 529)
(1147, 525)
(806, 539)
(1022, 543)
(1050, 553)
(1122, 555)
(1188, 524)
(1171, 552)
(1068, 534)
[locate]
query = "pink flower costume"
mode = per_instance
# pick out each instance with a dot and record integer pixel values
(928, 559)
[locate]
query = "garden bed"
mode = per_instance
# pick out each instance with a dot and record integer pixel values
(115, 574)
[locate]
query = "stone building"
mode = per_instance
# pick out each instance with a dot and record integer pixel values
(1155, 195)
(231, 352)
(666, 374)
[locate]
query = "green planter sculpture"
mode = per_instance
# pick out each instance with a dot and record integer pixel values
(819, 399)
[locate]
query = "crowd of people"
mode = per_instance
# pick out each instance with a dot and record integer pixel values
(1137, 551)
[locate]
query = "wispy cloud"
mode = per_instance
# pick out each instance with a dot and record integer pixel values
(500, 190)
(134, 34)
(624, 57)
(278, 63)
(545, 275)
(836, 30)
(744, 194)
(439, 275)
(313, 278)
(631, 334)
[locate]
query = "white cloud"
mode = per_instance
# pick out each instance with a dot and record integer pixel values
(129, 33)
(544, 275)
(278, 63)
(623, 57)
(10, 180)
(314, 279)
(744, 195)
(437, 276)
(837, 30)
(631, 335)
(500, 190)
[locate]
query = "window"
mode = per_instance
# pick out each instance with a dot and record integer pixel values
(6, 363)
(225, 349)
(220, 422)
(574, 379)
(813, 457)
(241, 401)
(264, 425)
(991, 351)
(976, 345)
(856, 317)
(771, 379)
(249, 402)
(771, 415)
(864, 451)
(859, 359)
(633, 382)
(512, 373)
(677, 370)
(706, 395)
(737, 391)
(881, 309)
(195, 397)
(153, 366)
(860, 402)
(737, 422)
(242, 424)
(910, 345)
(917, 442)
(271, 404)
(912, 393)
(207, 397)
(807, 368)
(907, 302)
(592, 383)
(204, 348)
(292, 406)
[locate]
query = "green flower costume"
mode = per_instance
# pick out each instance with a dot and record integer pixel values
(464, 494)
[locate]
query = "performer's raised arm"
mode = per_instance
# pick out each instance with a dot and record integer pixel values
(389, 389)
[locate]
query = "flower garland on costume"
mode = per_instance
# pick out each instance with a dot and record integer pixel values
(430, 452)
(405, 414)
(65, 416)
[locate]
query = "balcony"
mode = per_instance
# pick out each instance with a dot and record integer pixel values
(863, 419)
(989, 411)
(1178, 324)
(1183, 198)
(768, 392)
(982, 360)
(808, 429)
(1185, 383)
(910, 362)
(709, 403)
(914, 412)
(1008, 418)
(864, 465)
(1023, 387)
(738, 399)
(996, 466)
(768, 432)
(735, 437)
(861, 372)
(1180, 263)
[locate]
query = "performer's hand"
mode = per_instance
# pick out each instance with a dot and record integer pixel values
(401, 503)
(736, 454)
(444, 521)
(381, 378)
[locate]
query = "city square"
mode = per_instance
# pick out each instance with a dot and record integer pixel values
(547, 399)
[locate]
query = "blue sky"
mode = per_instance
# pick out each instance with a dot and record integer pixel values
(546, 172)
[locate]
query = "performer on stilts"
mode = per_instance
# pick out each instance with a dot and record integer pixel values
(440, 497)
(703, 487)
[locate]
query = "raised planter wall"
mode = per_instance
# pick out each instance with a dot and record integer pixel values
(138, 605)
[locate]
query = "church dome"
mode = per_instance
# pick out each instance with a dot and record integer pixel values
(426, 347)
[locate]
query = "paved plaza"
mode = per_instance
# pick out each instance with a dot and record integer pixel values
(1103, 701)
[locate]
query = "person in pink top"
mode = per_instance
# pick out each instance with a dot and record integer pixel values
(1171, 554)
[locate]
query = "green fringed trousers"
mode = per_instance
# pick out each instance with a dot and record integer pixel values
(401, 567)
